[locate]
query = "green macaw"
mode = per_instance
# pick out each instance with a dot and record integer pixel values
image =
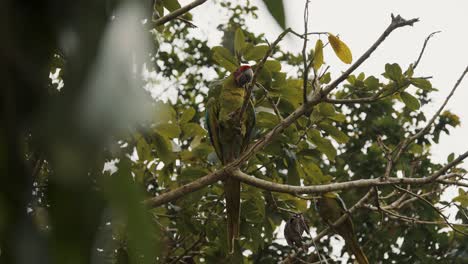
(230, 137)
(330, 208)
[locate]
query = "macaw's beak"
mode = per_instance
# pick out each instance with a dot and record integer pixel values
(244, 77)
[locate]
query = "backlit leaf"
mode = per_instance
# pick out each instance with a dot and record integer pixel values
(224, 58)
(239, 41)
(256, 53)
(318, 55)
(276, 9)
(410, 101)
(340, 48)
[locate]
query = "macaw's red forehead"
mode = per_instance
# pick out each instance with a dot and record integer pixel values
(244, 67)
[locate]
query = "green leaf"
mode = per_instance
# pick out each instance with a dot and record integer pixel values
(393, 72)
(312, 171)
(266, 120)
(224, 58)
(318, 55)
(338, 117)
(295, 172)
(163, 148)
(168, 130)
(171, 5)
(451, 157)
(410, 101)
(326, 109)
(256, 53)
(323, 145)
(372, 83)
(415, 149)
(462, 198)
(239, 42)
(273, 65)
(187, 115)
(276, 9)
(421, 83)
(191, 130)
(164, 113)
(335, 133)
(341, 49)
(143, 149)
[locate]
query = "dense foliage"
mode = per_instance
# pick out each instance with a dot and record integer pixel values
(81, 204)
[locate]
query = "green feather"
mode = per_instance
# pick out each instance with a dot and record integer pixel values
(229, 138)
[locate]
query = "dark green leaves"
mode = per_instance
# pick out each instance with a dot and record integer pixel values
(393, 72)
(276, 9)
(163, 148)
(421, 83)
(323, 145)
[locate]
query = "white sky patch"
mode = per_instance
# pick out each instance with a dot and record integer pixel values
(110, 166)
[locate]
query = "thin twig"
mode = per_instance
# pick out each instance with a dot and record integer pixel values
(305, 76)
(416, 63)
(423, 131)
(433, 207)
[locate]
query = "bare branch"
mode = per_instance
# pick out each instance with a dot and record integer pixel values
(416, 63)
(315, 189)
(423, 131)
(397, 22)
(305, 76)
(187, 188)
(412, 220)
(178, 12)
(433, 207)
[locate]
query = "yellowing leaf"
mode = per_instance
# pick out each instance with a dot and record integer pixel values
(318, 56)
(340, 48)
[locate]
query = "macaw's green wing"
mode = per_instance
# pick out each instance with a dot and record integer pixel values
(250, 120)
(212, 123)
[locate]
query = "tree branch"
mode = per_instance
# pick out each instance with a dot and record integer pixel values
(397, 22)
(304, 53)
(423, 131)
(178, 12)
(433, 207)
(416, 63)
(278, 129)
(314, 189)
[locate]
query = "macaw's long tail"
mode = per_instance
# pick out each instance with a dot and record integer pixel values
(232, 193)
(354, 247)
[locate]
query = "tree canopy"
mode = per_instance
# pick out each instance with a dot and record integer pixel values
(110, 162)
